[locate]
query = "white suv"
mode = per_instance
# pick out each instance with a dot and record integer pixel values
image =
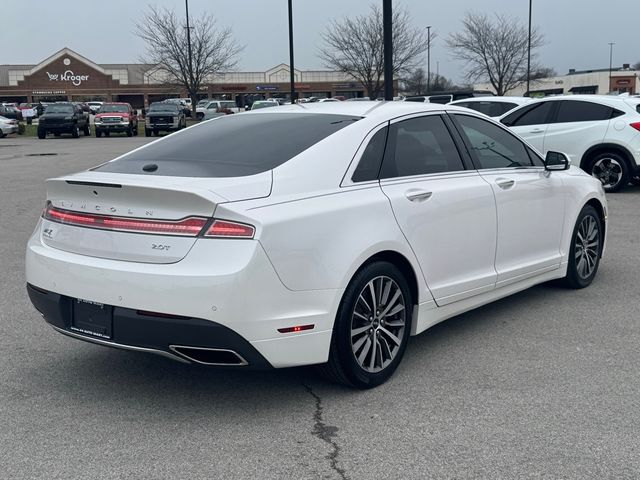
(601, 134)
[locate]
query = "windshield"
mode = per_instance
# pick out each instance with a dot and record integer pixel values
(114, 108)
(60, 109)
(215, 148)
(163, 107)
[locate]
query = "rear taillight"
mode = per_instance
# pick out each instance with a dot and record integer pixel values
(186, 227)
(224, 228)
(636, 125)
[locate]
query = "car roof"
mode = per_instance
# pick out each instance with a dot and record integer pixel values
(369, 109)
(519, 100)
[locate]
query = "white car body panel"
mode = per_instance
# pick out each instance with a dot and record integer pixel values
(314, 228)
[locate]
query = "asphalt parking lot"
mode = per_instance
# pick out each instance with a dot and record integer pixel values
(544, 384)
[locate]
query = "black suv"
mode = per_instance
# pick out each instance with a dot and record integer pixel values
(63, 118)
(164, 116)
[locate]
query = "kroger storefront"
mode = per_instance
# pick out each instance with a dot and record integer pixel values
(68, 76)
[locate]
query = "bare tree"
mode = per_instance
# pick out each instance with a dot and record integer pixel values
(213, 49)
(495, 51)
(416, 82)
(440, 83)
(355, 47)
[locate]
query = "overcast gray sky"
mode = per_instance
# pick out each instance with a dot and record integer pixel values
(577, 32)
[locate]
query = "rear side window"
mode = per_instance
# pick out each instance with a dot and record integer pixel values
(491, 109)
(369, 164)
(532, 115)
(578, 111)
(232, 146)
(420, 146)
(442, 99)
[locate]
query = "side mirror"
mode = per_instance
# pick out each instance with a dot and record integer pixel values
(556, 161)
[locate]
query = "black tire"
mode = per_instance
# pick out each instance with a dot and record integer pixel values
(636, 180)
(583, 248)
(199, 116)
(129, 131)
(135, 130)
(343, 365)
(147, 132)
(155, 132)
(98, 133)
(611, 169)
(87, 131)
(107, 133)
(42, 134)
(75, 131)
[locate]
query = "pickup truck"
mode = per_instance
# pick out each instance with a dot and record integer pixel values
(164, 117)
(63, 117)
(116, 117)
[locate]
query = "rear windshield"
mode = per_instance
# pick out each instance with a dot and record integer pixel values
(232, 146)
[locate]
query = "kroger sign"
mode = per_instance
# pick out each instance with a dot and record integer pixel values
(68, 76)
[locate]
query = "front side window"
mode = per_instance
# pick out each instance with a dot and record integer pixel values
(492, 146)
(537, 114)
(578, 111)
(420, 146)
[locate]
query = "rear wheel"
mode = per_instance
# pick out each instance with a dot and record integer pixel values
(155, 132)
(135, 130)
(372, 327)
(75, 131)
(199, 116)
(611, 169)
(586, 249)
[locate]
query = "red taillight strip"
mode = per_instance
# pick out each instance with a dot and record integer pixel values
(635, 125)
(225, 228)
(187, 227)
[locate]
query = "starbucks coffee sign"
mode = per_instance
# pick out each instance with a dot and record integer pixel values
(68, 76)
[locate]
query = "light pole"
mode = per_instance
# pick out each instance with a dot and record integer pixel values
(428, 58)
(529, 52)
(388, 49)
(292, 77)
(611, 44)
(186, 6)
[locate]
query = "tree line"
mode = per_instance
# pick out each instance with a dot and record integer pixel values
(492, 48)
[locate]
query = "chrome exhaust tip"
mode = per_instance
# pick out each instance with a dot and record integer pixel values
(210, 356)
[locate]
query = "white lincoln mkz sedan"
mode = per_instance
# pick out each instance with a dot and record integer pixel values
(323, 234)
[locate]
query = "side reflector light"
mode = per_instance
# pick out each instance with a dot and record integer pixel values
(636, 125)
(187, 227)
(298, 328)
(224, 228)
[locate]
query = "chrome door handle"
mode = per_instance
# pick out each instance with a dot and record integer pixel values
(505, 183)
(417, 195)
(537, 130)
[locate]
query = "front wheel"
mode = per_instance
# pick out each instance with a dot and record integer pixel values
(372, 327)
(586, 249)
(75, 131)
(42, 134)
(611, 169)
(129, 131)
(87, 130)
(147, 132)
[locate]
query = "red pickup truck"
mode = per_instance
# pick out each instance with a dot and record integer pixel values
(116, 117)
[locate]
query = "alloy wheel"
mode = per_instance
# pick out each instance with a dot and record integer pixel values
(587, 246)
(377, 324)
(609, 171)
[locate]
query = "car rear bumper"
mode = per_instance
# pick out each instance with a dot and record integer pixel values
(221, 284)
(184, 339)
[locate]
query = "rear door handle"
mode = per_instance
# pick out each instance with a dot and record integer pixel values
(537, 130)
(417, 195)
(505, 183)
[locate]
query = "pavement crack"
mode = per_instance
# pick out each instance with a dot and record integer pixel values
(326, 433)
